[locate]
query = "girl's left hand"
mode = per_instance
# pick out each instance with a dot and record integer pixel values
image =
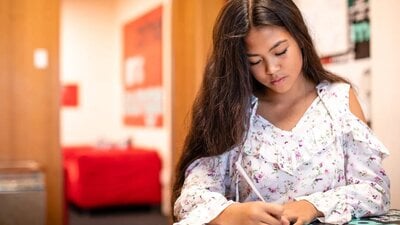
(300, 212)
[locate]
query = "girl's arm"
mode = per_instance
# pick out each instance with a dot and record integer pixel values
(367, 187)
(203, 193)
(202, 200)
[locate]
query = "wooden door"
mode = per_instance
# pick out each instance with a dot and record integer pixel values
(29, 96)
(192, 23)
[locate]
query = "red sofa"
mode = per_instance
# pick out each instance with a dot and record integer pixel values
(114, 177)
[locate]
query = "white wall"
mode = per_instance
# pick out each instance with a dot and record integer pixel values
(88, 57)
(91, 56)
(385, 55)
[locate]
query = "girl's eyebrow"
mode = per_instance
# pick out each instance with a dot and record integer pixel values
(274, 46)
(277, 44)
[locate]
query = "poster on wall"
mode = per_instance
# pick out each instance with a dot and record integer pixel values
(69, 95)
(142, 70)
(360, 27)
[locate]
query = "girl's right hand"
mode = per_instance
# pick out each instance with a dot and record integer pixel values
(251, 213)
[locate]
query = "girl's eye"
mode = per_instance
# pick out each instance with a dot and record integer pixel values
(281, 53)
(254, 63)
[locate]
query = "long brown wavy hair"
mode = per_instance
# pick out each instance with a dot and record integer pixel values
(220, 112)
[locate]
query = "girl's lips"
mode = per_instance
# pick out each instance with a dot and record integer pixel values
(277, 81)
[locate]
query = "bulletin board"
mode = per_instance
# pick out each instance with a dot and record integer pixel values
(142, 70)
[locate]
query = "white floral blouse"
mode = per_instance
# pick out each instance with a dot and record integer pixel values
(330, 158)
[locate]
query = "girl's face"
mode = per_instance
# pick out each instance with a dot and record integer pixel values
(275, 58)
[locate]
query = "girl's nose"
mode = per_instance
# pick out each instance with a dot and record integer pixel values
(272, 67)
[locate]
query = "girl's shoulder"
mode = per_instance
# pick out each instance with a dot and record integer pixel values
(333, 89)
(335, 96)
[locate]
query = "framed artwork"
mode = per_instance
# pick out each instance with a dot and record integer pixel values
(69, 95)
(142, 70)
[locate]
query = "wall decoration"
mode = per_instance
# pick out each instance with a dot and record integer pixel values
(142, 70)
(69, 95)
(360, 27)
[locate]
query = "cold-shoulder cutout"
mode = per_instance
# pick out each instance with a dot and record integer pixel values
(355, 106)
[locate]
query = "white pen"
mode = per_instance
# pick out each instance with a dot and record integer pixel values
(247, 178)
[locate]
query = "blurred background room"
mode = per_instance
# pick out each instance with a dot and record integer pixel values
(95, 96)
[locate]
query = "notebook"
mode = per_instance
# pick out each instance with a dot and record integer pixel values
(390, 218)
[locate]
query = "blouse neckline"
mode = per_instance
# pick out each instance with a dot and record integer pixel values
(319, 87)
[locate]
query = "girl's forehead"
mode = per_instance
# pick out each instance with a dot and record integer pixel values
(266, 35)
(268, 30)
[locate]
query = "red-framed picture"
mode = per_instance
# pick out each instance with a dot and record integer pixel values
(142, 70)
(69, 95)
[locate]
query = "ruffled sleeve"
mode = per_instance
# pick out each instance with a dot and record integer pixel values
(366, 189)
(364, 154)
(203, 193)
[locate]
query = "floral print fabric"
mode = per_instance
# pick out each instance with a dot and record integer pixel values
(330, 158)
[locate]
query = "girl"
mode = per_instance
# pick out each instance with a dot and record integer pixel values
(271, 124)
